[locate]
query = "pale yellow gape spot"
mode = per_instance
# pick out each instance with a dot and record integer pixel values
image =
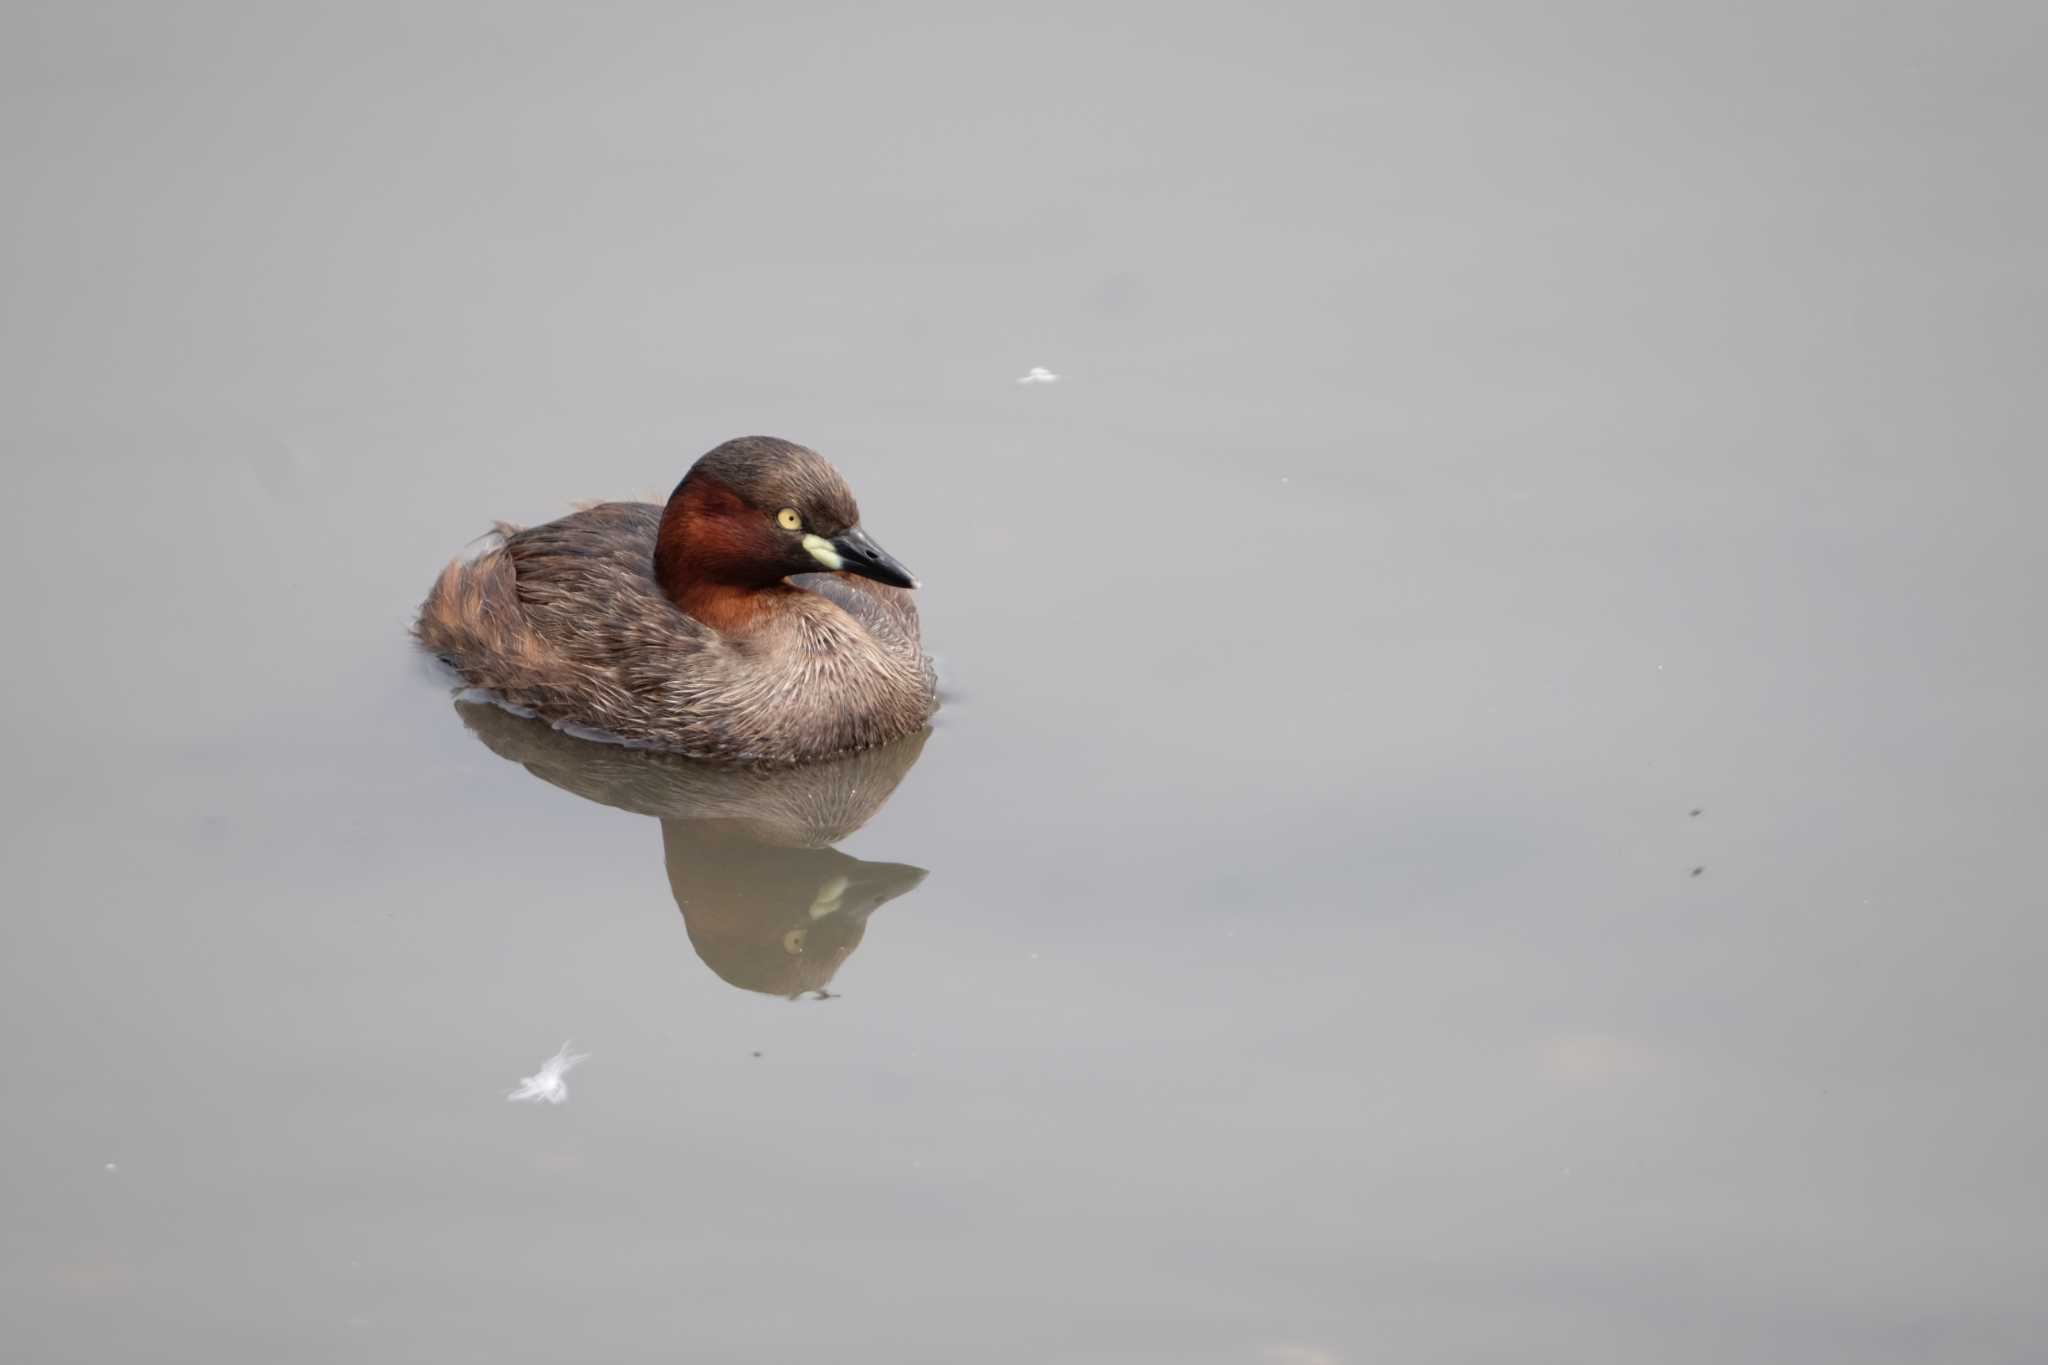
(789, 519)
(826, 902)
(822, 551)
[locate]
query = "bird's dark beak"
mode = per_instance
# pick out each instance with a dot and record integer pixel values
(857, 553)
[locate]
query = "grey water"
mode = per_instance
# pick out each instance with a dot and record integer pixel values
(1489, 798)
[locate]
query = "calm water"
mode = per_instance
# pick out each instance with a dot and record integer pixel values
(1489, 801)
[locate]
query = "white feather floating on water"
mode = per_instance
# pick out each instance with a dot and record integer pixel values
(546, 1086)
(1039, 375)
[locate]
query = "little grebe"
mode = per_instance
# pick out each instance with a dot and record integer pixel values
(729, 625)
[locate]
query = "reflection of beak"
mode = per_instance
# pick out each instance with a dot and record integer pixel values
(854, 551)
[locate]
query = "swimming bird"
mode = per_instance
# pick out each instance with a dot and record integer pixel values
(750, 620)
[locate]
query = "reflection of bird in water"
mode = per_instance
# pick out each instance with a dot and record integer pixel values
(769, 905)
(778, 920)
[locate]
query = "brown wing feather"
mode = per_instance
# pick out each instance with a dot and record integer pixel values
(586, 584)
(518, 620)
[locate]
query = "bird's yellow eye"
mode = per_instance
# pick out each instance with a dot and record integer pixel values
(793, 941)
(789, 519)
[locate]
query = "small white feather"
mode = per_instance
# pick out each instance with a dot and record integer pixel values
(546, 1086)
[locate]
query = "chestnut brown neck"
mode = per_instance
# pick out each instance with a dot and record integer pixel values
(712, 559)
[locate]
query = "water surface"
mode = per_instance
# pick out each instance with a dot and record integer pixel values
(1488, 800)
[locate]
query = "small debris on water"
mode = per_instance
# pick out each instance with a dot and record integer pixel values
(1696, 812)
(1696, 871)
(112, 1167)
(1039, 375)
(545, 1085)
(756, 1054)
